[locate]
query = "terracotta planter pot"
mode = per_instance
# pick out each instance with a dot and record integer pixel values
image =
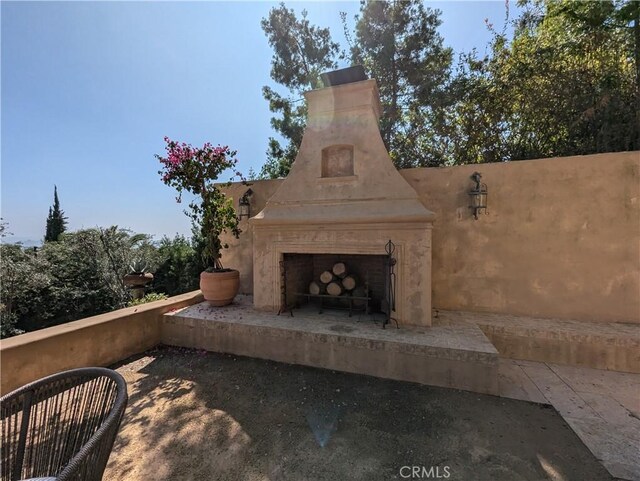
(219, 288)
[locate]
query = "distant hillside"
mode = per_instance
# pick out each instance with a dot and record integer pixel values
(25, 241)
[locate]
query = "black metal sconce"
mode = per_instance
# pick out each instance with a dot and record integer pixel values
(478, 195)
(244, 204)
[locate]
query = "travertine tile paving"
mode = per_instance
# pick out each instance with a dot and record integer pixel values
(621, 386)
(600, 406)
(515, 384)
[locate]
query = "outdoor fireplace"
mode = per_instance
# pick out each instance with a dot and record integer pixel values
(343, 201)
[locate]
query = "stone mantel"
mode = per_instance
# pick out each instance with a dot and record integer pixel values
(413, 256)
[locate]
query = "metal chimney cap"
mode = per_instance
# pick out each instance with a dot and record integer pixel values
(344, 76)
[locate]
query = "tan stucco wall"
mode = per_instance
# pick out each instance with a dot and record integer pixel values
(94, 341)
(561, 237)
(240, 253)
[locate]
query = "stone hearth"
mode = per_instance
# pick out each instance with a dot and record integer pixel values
(344, 196)
(457, 355)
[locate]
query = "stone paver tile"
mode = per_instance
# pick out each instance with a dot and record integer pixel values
(563, 398)
(610, 410)
(622, 386)
(616, 447)
(515, 384)
(598, 418)
(465, 338)
(523, 363)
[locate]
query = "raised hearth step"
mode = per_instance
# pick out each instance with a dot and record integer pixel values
(455, 356)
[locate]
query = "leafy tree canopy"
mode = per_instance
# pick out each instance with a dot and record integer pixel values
(301, 53)
(81, 275)
(565, 83)
(398, 44)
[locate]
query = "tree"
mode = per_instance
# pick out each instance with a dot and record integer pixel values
(301, 53)
(78, 276)
(180, 266)
(473, 128)
(398, 44)
(195, 170)
(117, 250)
(4, 232)
(19, 275)
(79, 282)
(565, 84)
(56, 221)
(573, 65)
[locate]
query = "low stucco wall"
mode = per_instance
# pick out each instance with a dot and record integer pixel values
(560, 239)
(94, 341)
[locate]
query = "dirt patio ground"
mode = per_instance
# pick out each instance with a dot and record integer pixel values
(196, 415)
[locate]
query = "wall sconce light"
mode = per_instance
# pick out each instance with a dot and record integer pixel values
(244, 204)
(478, 195)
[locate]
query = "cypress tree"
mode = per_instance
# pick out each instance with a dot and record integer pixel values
(56, 221)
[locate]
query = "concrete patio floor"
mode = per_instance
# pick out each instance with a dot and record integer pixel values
(197, 415)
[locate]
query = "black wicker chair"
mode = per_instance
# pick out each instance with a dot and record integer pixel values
(63, 426)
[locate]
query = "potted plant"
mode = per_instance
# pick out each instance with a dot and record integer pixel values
(195, 170)
(137, 278)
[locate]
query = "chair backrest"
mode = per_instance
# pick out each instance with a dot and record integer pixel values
(62, 426)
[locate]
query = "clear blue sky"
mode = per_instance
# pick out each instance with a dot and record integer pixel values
(89, 89)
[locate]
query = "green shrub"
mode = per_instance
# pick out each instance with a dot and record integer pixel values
(180, 266)
(151, 297)
(79, 276)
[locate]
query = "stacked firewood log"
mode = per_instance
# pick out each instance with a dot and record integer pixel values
(337, 282)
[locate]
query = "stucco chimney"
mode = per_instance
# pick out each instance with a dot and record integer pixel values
(343, 172)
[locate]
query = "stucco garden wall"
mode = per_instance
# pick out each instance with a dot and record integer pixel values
(93, 341)
(561, 237)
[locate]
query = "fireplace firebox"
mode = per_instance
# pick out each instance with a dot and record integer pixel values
(310, 278)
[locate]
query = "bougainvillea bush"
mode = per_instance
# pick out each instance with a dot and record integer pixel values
(195, 170)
